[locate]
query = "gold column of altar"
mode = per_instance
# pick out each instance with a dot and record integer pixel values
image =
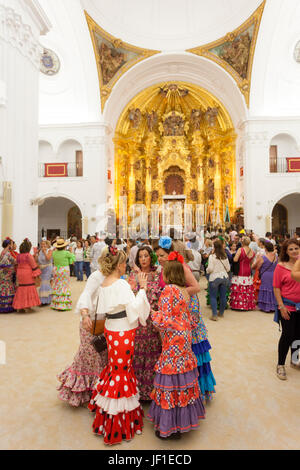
(176, 142)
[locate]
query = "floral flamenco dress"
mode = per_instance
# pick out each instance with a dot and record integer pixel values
(147, 348)
(200, 347)
(115, 400)
(177, 405)
(78, 381)
(61, 294)
(7, 285)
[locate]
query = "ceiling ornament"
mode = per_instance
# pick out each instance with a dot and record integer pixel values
(235, 51)
(113, 56)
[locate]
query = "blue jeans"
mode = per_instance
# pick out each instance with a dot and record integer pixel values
(87, 268)
(79, 270)
(218, 286)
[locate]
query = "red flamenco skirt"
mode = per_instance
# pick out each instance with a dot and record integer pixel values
(242, 294)
(115, 399)
(26, 297)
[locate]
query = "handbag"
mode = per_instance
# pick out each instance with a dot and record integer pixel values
(99, 341)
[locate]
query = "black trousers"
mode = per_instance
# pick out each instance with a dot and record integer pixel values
(290, 338)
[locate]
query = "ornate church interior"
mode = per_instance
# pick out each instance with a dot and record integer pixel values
(191, 105)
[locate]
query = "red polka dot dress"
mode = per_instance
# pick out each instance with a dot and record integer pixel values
(115, 399)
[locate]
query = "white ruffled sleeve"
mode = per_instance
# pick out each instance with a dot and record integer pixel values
(89, 296)
(139, 308)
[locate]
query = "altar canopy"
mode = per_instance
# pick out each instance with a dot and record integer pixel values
(176, 139)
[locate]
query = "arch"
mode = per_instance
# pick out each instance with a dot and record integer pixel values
(288, 134)
(59, 215)
(291, 202)
(66, 140)
(184, 67)
(42, 197)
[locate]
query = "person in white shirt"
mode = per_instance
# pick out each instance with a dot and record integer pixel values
(79, 252)
(96, 250)
(218, 269)
(195, 265)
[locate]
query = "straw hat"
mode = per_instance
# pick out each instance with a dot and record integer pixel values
(60, 243)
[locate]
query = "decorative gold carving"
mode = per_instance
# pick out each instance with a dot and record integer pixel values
(113, 56)
(176, 137)
(235, 51)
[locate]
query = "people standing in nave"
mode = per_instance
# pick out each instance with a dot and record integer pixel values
(266, 265)
(87, 258)
(96, 249)
(79, 255)
(287, 313)
(147, 347)
(200, 343)
(242, 295)
(115, 399)
(78, 380)
(7, 278)
(26, 295)
(218, 269)
(44, 259)
(176, 402)
(62, 259)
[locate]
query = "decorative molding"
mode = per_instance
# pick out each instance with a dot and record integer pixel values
(19, 35)
(245, 36)
(126, 56)
(95, 142)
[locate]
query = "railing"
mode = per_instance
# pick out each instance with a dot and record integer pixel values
(279, 165)
(72, 170)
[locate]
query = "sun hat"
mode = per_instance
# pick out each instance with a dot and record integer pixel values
(60, 243)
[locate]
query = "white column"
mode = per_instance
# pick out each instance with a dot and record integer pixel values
(21, 23)
(95, 165)
(256, 161)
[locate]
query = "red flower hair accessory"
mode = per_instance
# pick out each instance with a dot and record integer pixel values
(175, 256)
(113, 250)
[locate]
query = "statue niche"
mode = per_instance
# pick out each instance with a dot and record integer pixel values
(174, 185)
(173, 124)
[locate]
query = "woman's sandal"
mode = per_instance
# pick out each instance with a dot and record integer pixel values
(281, 373)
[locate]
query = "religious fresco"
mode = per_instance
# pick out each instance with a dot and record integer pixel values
(235, 51)
(113, 57)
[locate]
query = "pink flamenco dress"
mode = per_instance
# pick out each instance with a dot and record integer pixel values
(242, 292)
(177, 406)
(119, 415)
(27, 270)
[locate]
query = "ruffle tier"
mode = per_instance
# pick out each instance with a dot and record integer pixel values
(206, 378)
(242, 296)
(116, 428)
(266, 300)
(6, 304)
(177, 419)
(61, 302)
(76, 389)
(26, 297)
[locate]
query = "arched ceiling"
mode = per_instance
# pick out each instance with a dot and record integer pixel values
(169, 24)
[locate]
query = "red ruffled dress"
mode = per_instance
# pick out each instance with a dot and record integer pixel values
(27, 270)
(242, 292)
(115, 399)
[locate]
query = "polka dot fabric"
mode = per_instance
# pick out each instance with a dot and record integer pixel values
(117, 382)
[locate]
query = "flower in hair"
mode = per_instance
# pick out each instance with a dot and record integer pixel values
(175, 256)
(113, 250)
(154, 258)
(165, 243)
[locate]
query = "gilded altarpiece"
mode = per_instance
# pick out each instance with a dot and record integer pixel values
(176, 139)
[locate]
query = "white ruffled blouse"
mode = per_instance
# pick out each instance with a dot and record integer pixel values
(118, 297)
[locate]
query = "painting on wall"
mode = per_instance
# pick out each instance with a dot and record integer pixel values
(113, 56)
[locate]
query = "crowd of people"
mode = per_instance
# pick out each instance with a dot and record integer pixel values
(142, 334)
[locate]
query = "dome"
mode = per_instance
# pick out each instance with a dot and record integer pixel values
(169, 24)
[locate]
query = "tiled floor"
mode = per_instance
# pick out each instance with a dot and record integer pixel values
(252, 409)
